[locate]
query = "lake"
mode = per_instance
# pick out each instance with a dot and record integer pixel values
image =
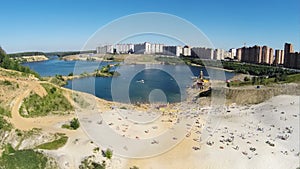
(137, 83)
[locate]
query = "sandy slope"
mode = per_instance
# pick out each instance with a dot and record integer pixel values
(246, 127)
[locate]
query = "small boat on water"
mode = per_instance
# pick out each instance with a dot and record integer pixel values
(140, 81)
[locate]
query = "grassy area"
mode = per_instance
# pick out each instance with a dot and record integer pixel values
(170, 60)
(238, 67)
(5, 125)
(54, 145)
(22, 159)
(294, 78)
(5, 83)
(8, 85)
(53, 103)
(4, 112)
(16, 74)
(58, 80)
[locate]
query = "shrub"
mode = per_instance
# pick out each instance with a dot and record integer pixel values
(246, 79)
(74, 124)
(108, 153)
(134, 167)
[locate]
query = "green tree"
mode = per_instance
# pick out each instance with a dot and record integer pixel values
(74, 123)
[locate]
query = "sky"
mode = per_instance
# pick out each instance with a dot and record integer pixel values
(64, 25)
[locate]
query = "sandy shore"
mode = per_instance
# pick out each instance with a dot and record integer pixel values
(258, 136)
(35, 58)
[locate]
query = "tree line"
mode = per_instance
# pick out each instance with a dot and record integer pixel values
(7, 63)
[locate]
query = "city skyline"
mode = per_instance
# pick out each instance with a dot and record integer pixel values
(67, 25)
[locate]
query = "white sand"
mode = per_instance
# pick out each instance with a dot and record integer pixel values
(249, 130)
(232, 136)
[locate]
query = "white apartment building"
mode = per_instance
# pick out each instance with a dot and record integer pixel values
(172, 50)
(124, 48)
(232, 52)
(148, 48)
(203, 53)
(186, 51)
(219, 54)
(105, 49)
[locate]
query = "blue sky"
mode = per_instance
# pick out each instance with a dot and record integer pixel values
(59, 25)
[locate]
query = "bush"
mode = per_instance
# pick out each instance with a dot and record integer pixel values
(246, 79)
(134, 167)
(74, 124)
(108, 153)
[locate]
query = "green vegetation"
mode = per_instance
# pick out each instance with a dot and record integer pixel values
(4, 125)
(4, 112)
(105, 72)
(87, 163)
(6, 83)
(262, 80)
(7, 63)
(205, 93)
(53, 103)
(54, 145)
(134, 167)
(108, 153)
(245, 68)
(62, 54)
(169, 60)
(74, 124)
(16, 55)
(22, 159)
(58, 80)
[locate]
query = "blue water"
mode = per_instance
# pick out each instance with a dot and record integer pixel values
(55, 66)
(137, 83)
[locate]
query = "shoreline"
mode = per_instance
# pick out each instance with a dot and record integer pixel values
(245, 123)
